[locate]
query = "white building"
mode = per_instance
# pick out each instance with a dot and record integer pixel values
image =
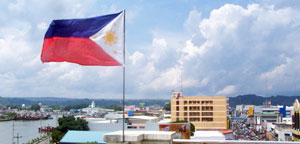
(93, 110)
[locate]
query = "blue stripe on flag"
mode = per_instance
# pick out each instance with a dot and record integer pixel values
(81, 28)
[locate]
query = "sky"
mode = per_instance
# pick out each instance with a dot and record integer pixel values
(210, 47)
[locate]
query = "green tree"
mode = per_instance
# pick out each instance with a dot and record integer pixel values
(55, 107)
(18, 107)
(35, 107)
(167, 106)
(57, 135)
(68, 123)
(115, 107)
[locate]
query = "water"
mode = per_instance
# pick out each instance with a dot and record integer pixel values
(29, 129)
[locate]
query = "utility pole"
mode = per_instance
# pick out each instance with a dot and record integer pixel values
(18, 137)
(40, 127)
(13, 132)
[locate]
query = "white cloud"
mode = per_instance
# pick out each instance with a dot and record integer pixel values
(229, 52)
(42, 26)
(72, 75)
(17, 6)
(136, 57)
(190, 51)
(237, 47)
(277, 71)
(166, 80)
(204, 82)
(227, 90)
(159, 49)
(192, 22)
(159, 43)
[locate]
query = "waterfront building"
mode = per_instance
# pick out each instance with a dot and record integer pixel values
(206, 113)
(92, 110)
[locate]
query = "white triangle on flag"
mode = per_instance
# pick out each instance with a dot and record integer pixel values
(111, 38)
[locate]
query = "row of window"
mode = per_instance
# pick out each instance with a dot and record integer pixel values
(197, 119)
(197, 108)
(196, 114)
(195, 102)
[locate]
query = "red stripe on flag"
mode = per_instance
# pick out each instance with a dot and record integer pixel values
(82, 51)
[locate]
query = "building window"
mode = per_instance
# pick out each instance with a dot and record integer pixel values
(185, 108)
(206, 102)
(194, 108)
(185, 102)
(177, 113)
(177, 119)
(185, 113)
(194, 119)
(207, 113)
(177, 102)
(207, 119)
(177, 108)
(194, 114)
(207, 108)
(185, 119)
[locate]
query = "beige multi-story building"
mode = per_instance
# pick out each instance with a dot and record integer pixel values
(206, 113)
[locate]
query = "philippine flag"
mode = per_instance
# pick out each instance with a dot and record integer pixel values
(90, 41)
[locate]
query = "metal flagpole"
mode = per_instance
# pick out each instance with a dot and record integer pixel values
(123, 135)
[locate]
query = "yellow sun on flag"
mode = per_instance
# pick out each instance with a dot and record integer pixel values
(110, 38)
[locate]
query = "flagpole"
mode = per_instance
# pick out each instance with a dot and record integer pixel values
(123, 132)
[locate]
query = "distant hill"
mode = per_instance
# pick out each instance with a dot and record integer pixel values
(252, 99)
(72, 101)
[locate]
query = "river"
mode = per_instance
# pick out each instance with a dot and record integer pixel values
(28, 130)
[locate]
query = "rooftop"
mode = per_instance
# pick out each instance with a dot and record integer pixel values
(83, 136)
(208, 135)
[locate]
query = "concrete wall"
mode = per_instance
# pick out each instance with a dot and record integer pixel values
(140, 137)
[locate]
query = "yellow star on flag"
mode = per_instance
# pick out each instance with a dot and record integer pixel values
(110, 38)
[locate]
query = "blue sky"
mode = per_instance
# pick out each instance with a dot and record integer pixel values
(222, 48)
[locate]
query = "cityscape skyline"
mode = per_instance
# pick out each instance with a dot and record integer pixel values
(221, 48)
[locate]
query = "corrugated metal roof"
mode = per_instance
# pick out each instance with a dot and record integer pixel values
(83, 136)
